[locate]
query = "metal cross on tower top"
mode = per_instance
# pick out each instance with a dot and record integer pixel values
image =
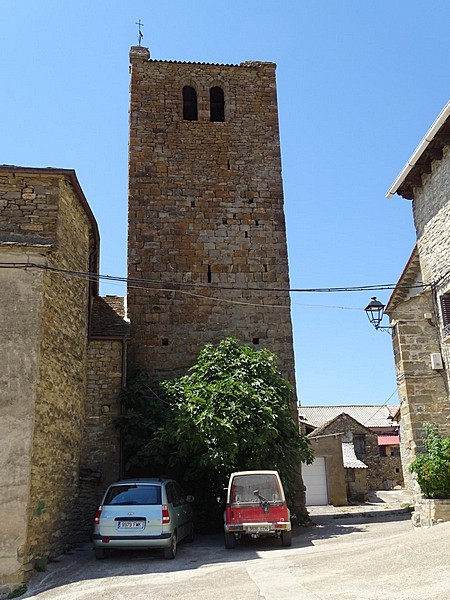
(140, 34)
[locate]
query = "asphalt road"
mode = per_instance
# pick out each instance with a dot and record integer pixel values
(367, 556)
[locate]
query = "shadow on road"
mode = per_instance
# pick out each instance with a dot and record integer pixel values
(207, 550)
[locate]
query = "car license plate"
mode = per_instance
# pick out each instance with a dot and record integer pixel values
(258, 528)
(130, 524)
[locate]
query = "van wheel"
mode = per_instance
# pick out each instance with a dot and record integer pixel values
(99, 553)
(171, 551)
(230, 541)
(286, 538)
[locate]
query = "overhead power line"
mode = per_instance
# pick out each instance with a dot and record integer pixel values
(180, 287)
(176, 285)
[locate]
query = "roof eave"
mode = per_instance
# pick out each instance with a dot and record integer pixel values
(419, 151)
(71, 175)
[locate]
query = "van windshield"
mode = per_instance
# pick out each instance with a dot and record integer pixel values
(252, 488)
(133, 494)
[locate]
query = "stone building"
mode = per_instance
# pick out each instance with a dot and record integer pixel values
(207, 254)
(369, 439)
(419, 306)
(325, 477)
(51, 367)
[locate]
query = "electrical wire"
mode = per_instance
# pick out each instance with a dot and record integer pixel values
(93, 276)
(150, 284)
(379, 408)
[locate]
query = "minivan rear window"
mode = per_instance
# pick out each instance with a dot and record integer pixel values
(250, 489)
(133, 494)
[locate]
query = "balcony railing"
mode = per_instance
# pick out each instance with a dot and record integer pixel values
(446, 334)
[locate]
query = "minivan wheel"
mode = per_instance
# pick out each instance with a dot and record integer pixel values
(286, 538)
(230, 541)
(171, 551)
(99, 553)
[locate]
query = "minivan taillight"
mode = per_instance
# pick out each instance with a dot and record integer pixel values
(97, 516)
(165, 514)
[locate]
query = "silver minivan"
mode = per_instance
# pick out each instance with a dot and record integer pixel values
(143, 513)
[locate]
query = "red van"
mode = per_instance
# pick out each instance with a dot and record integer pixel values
(256, 506)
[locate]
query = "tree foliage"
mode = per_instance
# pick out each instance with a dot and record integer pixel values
(432, 468)
(231, 412)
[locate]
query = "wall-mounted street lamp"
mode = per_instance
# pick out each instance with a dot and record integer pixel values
(375, 312)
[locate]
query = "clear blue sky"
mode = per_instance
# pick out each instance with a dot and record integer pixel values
(359, 84)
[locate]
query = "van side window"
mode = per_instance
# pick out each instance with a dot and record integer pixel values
(217, 104)
(189, 104)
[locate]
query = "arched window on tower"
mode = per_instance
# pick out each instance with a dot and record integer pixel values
(189, 104)
(217, 104)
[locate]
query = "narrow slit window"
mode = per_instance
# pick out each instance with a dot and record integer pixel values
(189, 104)
(209, 274)
(217, 104)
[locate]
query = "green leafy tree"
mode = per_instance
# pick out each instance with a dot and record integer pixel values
(231, 412)
(143, 412)
(432, 468)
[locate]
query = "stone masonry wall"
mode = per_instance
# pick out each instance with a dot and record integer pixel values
(61, 388)
(387, 473)
(100, 461)
(431, 208)
(206, 221)
(28, 209)
(349, 427)
(422, 391)
(430, 512)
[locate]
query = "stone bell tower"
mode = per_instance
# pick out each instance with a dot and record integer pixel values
(207, 255)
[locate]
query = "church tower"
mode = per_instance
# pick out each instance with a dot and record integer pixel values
(207, 254)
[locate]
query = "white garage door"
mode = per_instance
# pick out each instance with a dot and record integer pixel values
(315, 480)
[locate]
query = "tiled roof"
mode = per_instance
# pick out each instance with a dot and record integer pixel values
(349, 456)
(108, 317)
(370, 416)
(346, 422)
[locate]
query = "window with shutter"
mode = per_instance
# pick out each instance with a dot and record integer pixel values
(445, 307)
(359, 442)
(445, 311)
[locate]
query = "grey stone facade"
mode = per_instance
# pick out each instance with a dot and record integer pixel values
(63, 367)
(45, 222)
(415, 312)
